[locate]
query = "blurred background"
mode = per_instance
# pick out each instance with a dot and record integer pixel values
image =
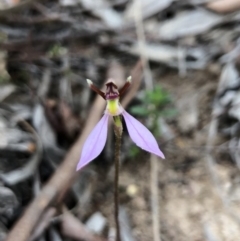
(183, 56)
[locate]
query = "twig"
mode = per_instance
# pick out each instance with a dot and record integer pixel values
(43, 223)
(142, 43)
(73, 228)
(63, 178)
(154, 198)
(222, 6)
(137, 77)
(149, 85)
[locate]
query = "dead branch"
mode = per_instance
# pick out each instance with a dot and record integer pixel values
(73, 228)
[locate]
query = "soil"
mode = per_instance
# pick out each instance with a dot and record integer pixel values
(191, 208)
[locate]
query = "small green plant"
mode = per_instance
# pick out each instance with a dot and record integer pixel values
(56, 51)
(156, 103)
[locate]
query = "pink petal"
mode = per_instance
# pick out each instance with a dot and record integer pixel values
(94, 143)
(141, 135)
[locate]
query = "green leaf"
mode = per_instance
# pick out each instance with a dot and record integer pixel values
(139, 110)
(133, 151)
(157, 96)
(169, 113)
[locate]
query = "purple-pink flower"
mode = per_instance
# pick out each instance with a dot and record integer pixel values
(96, 141)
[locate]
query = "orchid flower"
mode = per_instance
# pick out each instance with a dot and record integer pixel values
(96, 141)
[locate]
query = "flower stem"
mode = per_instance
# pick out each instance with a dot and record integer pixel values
(118, 135)
(116, 196)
